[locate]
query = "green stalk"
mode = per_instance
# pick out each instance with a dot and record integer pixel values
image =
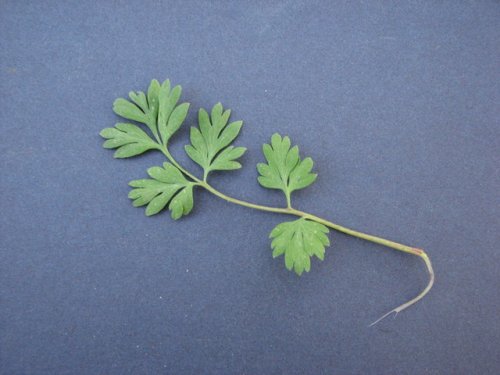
(292, 211)
(165, 152)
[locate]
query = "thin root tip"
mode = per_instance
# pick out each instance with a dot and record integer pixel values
(404, 306)
(395, 311)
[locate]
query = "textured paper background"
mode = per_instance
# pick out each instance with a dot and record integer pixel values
(397, 103)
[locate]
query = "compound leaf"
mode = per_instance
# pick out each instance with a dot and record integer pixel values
(284, 169)
(299, 240)
(129, 140)
(167, 184)
(210, 143)
(143, 109)
(157, 109)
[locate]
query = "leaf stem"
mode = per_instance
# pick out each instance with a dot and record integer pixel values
(288, 199)
(165, 152)
(292, 211)
(244, 203)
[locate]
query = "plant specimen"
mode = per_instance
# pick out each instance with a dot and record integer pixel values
(171, 185)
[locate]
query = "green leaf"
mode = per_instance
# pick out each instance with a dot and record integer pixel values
(129, 140)
(170, 116)
(167, 184)
(226, 159)
(182, 204)
(176, 119)
(210, 143)
(124, 108)
(299, 240)
(139, 99)
(153, 91)
(284, 169)
(157, 109)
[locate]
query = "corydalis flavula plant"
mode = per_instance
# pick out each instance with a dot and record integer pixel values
(171, 186)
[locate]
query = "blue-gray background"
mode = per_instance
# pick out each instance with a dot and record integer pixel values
(397, 103)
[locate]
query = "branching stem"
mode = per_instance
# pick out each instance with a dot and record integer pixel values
(292, 211)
